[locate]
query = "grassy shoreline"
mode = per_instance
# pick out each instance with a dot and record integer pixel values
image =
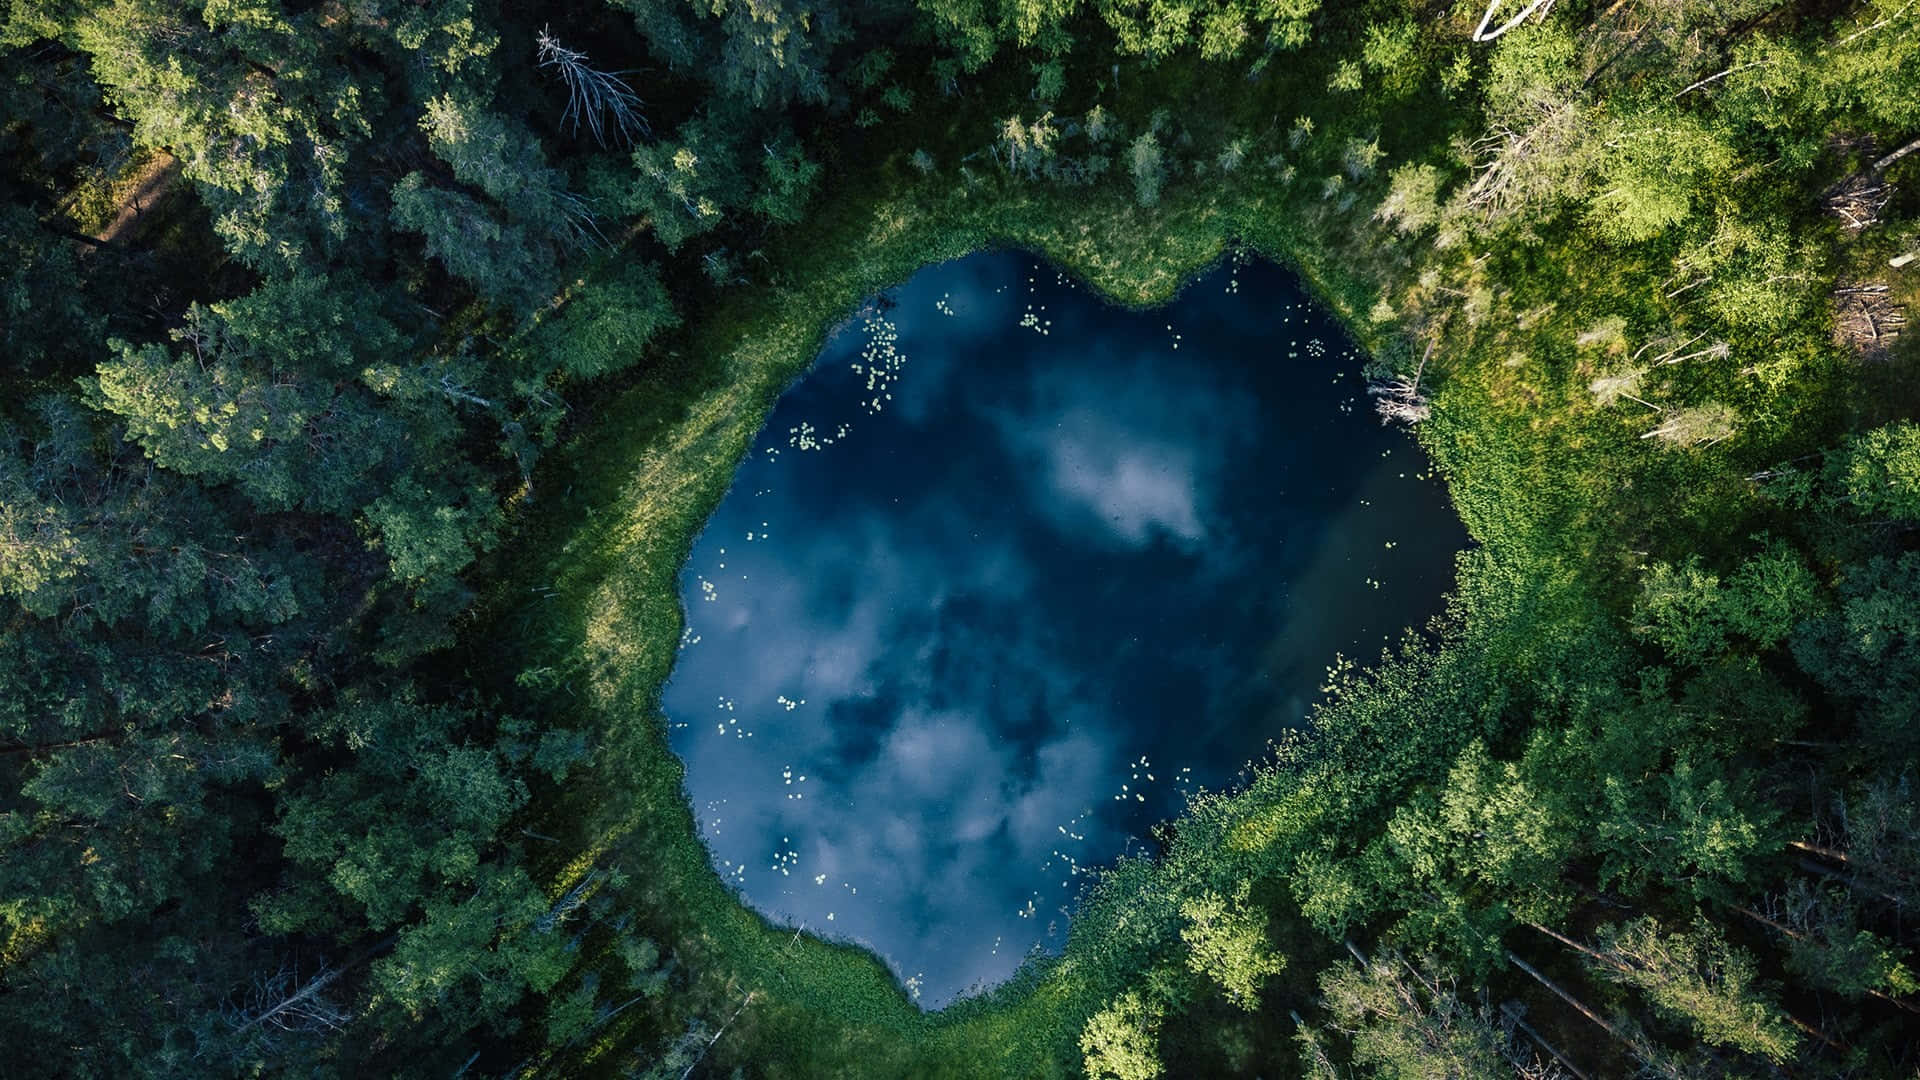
(667, 451)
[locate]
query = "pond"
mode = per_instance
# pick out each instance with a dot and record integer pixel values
(1012, 572)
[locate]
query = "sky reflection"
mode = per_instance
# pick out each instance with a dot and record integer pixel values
(1010, 573)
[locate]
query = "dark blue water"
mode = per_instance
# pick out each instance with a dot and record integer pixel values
(1008, 575)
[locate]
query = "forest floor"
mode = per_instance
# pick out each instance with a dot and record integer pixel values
(141, 193)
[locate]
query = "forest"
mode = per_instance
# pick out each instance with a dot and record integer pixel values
(371, 366)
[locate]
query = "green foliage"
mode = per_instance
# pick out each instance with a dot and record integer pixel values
(1348, 77)
(1693, 826)
(500, 260)
(474, 957)
(1756, 272)
(1049, 81)
(1389, 48)
(1697, 977)
(1691, 614)
(1227, 942)
(407, 819)
(44, 309)
(1497, 824)
(1650, 173)
(82, 538)
(1868, 651)
(1883, 472)
(607, 322)
(1830, 949)
(425, 538)
(760, 55)
(1147, 164)
(1400, 1024)
(686, 188)
(256, 395)
(790, 182)
(1218, 30)
(1413, 199)
(1359, 156)
(1121, 1041)
(571, 1015)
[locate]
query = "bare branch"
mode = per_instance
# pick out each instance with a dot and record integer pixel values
(1716, 78)
(607, 104)
(1482, 34)
(1700, 426)
(1858, 200)
(575, 898)
(454, 390)
(1578, 1005)
(1863, 31)
(1910, 148)
(748, 1000)
(278, 1000)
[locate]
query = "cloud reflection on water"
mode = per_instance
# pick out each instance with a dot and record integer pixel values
(965, 623)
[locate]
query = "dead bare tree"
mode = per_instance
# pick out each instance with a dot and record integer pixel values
(1716, 77)
(1701, 426)
(1399, 400)
(1531, 157)
(284, 1002)
(1719, 350)
(601, 99)
(1653, 1061)
(1513, 1016)
(1798, 913)
(1608, 389)
(574, 900)
(1313, 1042)
(1633, 953)
(744, 1002)
(1459, 1036)
(579, 224)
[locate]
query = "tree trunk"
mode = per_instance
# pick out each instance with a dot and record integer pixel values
(1514, 959)
(1572, 944)
(316, 985)
(1835, 854)
(1796, 935)
(76, 236)
(748, 1000)
(1849, 881)
(1483, 34)
(107, 736)
(1541, 1042)
(1910, 148)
